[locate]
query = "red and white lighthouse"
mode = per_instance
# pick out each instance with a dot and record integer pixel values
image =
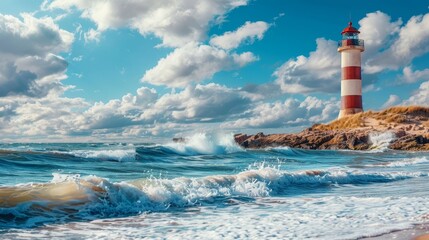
(351, 48)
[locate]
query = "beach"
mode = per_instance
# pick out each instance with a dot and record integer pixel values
(208, 187)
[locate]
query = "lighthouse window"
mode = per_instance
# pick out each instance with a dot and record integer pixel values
(350, 36)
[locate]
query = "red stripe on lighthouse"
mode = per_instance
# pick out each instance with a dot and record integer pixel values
(351, 101)
(351, 72)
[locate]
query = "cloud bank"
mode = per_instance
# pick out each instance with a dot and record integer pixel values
(175, 22)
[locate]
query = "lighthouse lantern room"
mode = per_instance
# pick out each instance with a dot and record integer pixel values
(351, 48)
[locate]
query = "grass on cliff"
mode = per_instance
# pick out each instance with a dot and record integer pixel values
(393, 115)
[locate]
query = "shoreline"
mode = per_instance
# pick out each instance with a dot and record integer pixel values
(418, 232)
(396, 128)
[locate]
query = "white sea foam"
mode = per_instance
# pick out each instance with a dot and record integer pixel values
(381, 141)
(95, 197)
(346, 217)
(59, 177)
(279, 149)
(401, 163)
(207, 144)
(108, 154)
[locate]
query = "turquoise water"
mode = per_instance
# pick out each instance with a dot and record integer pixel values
(207, 188)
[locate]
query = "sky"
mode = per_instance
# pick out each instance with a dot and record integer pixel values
(150, 70)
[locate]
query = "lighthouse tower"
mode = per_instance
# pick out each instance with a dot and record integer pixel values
(350, 48)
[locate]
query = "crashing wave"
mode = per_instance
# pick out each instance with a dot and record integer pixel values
(90, 197)
(115, 154)
(381, 141)
(401, 163)
(205, 144)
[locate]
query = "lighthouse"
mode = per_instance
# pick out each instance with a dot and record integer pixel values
(350, 47)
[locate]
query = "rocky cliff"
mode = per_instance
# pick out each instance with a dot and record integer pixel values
(399, 128)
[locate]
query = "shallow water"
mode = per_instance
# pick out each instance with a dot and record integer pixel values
(208, 188)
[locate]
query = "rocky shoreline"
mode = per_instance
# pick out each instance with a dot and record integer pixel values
(397, 128)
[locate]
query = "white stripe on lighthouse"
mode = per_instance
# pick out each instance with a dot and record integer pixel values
(350, 58)
(351, 87)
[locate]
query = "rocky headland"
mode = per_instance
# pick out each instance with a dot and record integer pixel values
(398, 128)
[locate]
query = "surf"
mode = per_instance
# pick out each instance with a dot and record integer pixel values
(74, 197)
(205, 144)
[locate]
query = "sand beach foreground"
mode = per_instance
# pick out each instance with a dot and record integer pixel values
(419, 232)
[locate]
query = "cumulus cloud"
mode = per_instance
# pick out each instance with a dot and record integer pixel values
(412, 41)
(289, 113)
(410, 76)
(28, 64)
(13, 82)
(250, 31)
(119, 113)
(420, 96)
(32, 36)
(62, 118)
(147, 112)
(199, 106)
(181, 24)
(202, 103)
(318, 72)
(175, 22)
(377, 30)
(34, 117)
(392, 101)
(194, 63)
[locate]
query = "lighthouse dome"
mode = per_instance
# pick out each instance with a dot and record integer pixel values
(350, 29)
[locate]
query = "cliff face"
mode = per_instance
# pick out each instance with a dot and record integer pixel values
(408, 128)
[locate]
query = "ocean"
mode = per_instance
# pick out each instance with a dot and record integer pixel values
(208, 188)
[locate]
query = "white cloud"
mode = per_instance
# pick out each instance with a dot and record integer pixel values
(144, 113)
(194, 63)
(92, 36)
(377, 29)
(420, 96)
(290, 113)
(318, 72)
(175, 22)
(28, 61)
(35, 117)
(182, 24)
(392, 101)
(32, 36)
(412, 41)
(250, 31)
(147, 112)
(120, 113)
(410, 76)
(202, 103)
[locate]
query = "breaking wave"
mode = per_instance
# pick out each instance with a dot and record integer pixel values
(381, 141)
(401, 163)
(73, 197)
(205, 144)
(115, 154)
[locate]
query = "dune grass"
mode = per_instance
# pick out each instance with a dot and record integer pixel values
(393, 115)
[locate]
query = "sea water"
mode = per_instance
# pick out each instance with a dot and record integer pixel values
(208, 188)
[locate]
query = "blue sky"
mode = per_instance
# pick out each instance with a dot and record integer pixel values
(115, 70)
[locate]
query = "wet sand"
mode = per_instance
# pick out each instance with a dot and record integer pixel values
(420, 232)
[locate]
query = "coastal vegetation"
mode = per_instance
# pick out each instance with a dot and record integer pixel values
(401, 128)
